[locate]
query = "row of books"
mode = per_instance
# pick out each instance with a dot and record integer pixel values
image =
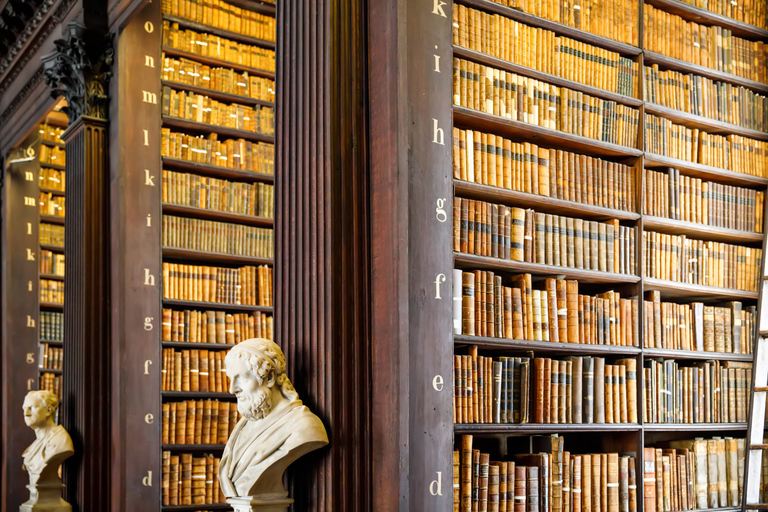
(670, 195)
(223, 15)
(202, 109)
(490, 159)
(52, 179)
(696, 474)
(51, 234)
(730, 152)
(194, 370)
(557, 312)
(249, 285)
(614, 19)
(218, 79)
(198, 422)
(231, 153)
(703, 96)
(50, 382)
(512, 233)
(52, 155)
(211, 45)
(194, 326)
(52, 205)
(51, 291)
(185, 189)
(51, 263)
(713, 47)
(726, 329)
(51, 133)
(685, 260)
(520, 98)
(700, 392)
(188, 480)
(544, 390)
(512, 41)
(51, 358)
(751, 12)
(51, 326)
(217, 237)
(552, 480)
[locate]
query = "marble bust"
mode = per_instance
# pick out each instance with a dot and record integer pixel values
(43, 457)
(275, 430)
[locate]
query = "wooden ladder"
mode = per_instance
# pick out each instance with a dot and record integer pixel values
(752, 499)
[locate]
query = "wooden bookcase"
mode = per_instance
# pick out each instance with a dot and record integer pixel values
(143, 254)
(587, 438)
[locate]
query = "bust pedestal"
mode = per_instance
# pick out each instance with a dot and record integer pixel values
(254, 504)
(46, 498)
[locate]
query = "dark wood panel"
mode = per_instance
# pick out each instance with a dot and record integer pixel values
(547, 347)
(694, 354)
(203, 213)
(213, 62)
(218, 95)
(214, 305)
(51, 143)
(653, 161)
(52, 306)
(52, 219)
(216, 171)
(701, 231)
(520, 131)
(695, 292)
(212, 258)
(54, 192)
(705, 17)
(557, 28)
(234, 36)
(539, 203)
(52, 248)
(49, 370)
(686, 67)
(703, 123)
(52, 166)
(487, 60)
(53, 277)
(205, 128)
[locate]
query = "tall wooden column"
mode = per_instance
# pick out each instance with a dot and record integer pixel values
(79, 71)
(322, 269)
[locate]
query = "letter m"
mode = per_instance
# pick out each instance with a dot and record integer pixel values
(149, 97)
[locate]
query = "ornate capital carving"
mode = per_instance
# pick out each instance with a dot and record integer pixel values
(79, 70)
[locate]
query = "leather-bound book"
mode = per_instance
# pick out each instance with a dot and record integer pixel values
(572, 301)
(649, 479)
(466, 474)
(586, 483)
(468, 303)
(456, 481)
(508, 326)
(554, 393)
(539, 389)
(613, 481)
(553, 306)
(631, 388)
(498, 369)
(561, 294)
(576, 388)
(518, 327)
(501, 470)
(532, 489)
(576, 483)
(525, 379)
(632, 488)
(732, 471)
(520, 494)
(588, 387)
(599, 393)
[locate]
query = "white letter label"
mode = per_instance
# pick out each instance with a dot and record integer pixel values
(148, 178)
(439, 211)
(149, 97)
(147, 480)
(438, 8)
(146, 366)
(29, 176)
(29, 228)
(30, 321)
(435, 486)
(149, 418)
(437, 383)
(437, 62)
(148, 323)
(149, 61)
(439, 279)
(146, 137)
(30, 255)
(439, 137)
(30, 382)
(30, 358)
(149, 27)
(29, 201)
(29, 285)
(149, 220)
(149, 279)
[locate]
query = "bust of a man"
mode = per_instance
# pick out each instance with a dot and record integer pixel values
(276, 429)
(43, 457)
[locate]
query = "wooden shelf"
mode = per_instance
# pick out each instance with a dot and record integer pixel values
(56, 343)
(189, 345)
(54, 192)
(557, 28)
(542, 428)
(52, 219)
(234, 36)
(687, 67)
(204, 506)
(214, 305)
(700, 231)
(52, 166)
(693, 427)
(703, 123)
(488, 60)
(518, 130)
(48, 370)
(695, 355)
(52, 248)
(53, 277)
(183, 124)
(52, 306)
(51, 143)
(213, 257)
(705, 17)
(539, 203)
(193, 447)
(218, 95)
(543, 346)
(196, 394)
(214, 62)
(57, 118)
(708, 172)
(215, 215)
(216, 171)
(695, 292)
(467, 261)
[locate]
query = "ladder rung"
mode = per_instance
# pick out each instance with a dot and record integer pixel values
(758, 506)
(758, 390)
(758, 447)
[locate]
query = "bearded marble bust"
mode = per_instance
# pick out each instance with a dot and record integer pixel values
(275, 430)
(43, 457)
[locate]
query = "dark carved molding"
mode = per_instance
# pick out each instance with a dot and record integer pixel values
(80, 70)
(18, 22)
(22, 96)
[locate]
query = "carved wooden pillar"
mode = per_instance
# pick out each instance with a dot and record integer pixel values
(79, 71)
(322, 266)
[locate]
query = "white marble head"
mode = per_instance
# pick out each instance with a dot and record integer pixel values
(40, 409)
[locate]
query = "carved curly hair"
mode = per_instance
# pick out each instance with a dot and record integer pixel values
(262, 357)
(48, 399)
